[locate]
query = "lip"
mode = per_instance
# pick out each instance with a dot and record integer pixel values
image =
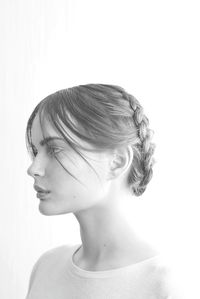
(40, 189)
(42, 195)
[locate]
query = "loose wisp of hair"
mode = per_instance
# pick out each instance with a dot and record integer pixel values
(106, 117)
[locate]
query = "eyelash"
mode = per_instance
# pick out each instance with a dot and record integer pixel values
(50, 151)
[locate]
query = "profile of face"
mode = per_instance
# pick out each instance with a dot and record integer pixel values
(67, 195)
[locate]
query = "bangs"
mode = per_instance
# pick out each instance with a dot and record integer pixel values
(59, 124)
(104, 118)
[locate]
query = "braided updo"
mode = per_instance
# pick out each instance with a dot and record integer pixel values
(141, 170)
(105, 116)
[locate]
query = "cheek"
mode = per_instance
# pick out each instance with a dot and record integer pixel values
(89, 181)
(70, 195)
(94, 180)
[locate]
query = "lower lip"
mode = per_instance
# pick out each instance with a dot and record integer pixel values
(42, 195)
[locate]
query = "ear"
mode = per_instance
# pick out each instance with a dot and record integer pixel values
(120, 162)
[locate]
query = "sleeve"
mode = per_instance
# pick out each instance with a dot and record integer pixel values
(33, 272)
(41, 260)
(171, 285)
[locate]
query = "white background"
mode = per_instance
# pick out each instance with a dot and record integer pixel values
(151, 48)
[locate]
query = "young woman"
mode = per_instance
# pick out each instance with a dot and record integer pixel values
(91, 153)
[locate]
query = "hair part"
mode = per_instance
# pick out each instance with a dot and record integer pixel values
(106, 117)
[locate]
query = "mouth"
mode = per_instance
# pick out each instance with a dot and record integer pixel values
(40, 189)
(43, 195)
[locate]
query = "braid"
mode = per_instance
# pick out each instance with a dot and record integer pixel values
(141, 169)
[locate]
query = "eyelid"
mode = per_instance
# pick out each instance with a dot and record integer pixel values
(49, 148)
(54, 148)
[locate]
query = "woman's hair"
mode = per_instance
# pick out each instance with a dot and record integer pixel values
(106, 117)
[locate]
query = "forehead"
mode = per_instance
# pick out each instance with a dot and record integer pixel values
(38, 133)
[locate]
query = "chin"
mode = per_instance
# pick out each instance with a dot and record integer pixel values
(51, 211)
(45, 212)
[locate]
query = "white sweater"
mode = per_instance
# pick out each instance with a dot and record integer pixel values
(55, 276)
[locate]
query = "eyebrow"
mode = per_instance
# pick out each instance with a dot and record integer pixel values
(47, 139)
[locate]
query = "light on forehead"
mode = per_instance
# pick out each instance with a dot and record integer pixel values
(49, 130)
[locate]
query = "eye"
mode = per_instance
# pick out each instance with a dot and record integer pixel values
(34, 151)
(52, 150)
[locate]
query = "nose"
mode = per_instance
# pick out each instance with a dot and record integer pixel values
(36, 169)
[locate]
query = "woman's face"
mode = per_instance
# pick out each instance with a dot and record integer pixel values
(66, 193)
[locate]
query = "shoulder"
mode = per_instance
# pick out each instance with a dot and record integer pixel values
(164, 279)
(46, 260)
(49, 258)
(54, 253)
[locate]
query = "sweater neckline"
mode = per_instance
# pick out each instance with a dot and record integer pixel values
(106, 273)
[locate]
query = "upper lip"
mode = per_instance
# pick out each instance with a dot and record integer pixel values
(40, 189)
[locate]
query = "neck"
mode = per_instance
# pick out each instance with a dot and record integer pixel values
(105, 231)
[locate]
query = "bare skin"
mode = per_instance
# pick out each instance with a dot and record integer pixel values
(108, 240)
(116, 258)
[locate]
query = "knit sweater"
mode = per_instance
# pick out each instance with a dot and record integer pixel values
(55, 276)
